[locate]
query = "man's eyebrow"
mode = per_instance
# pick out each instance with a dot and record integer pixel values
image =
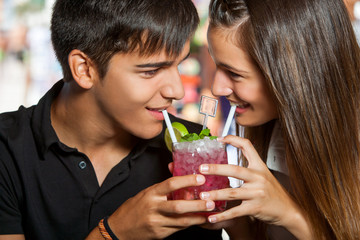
(155, 65)
(159, 64)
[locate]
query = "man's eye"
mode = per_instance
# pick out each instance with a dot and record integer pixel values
(151, 72)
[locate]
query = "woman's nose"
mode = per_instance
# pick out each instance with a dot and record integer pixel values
(221, 85)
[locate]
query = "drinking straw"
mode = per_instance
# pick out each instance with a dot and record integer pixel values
(169, 126)
(229, 120)
(205, 121)
(242, 162)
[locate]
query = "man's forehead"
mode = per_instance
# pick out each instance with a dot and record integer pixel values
(160, 56)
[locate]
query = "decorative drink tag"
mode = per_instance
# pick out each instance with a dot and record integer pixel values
(208, 107)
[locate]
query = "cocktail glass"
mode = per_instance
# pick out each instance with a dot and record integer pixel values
(188, 156)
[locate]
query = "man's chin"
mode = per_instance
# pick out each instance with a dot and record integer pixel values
(151, 133)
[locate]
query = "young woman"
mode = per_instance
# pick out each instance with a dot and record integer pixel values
(89, 160)
(293, 70)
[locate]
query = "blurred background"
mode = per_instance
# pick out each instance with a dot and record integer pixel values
(28, 67)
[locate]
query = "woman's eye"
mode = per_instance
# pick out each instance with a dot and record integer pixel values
(233, 75)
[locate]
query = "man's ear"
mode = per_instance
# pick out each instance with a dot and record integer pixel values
(82, 69)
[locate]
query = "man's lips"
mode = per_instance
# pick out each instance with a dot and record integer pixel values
(157, 112)
(158, 109)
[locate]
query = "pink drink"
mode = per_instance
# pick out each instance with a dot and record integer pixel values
(188, 156)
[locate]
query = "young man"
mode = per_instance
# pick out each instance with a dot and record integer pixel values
(89, 160)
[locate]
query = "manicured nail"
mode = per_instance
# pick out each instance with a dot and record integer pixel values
(204, 195)
(204, 168)
(220, 139)
(210, 205)
(200, 179)
(212, 219)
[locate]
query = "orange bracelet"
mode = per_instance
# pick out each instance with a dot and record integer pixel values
(103, 231)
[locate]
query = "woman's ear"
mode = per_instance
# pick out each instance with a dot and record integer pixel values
(81, 68)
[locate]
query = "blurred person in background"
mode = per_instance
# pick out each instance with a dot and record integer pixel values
(89, 161)
(17, 45)
(292, 69)
(14, 74)
(353, 7)
(43, 68)
(3, 43)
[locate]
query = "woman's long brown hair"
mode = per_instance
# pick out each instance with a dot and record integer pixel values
(308, 54)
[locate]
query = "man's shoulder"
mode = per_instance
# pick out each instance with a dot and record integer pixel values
(15, 120)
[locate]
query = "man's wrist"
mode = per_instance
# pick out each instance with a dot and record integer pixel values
(105, 230)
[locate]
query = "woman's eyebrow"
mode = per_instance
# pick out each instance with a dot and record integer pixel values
(223, 65)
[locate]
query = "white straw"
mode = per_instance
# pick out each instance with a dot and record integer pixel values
(169, 126)
(229, 120)
(205, 121)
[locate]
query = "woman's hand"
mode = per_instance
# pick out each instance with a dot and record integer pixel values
(262, 195)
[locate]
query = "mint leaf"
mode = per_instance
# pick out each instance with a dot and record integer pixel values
(190, 137)
(193, 136)
(204, 133)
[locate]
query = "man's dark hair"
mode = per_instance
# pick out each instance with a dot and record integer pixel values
(102, 28)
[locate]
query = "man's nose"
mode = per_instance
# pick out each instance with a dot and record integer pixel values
(173, 87)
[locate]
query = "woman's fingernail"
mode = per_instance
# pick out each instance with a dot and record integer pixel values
(204, 168)
(200, 179)
(204, 195)
(220, 139)
(212, 219)
(210, 205)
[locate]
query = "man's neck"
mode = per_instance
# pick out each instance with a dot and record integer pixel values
(79, 124)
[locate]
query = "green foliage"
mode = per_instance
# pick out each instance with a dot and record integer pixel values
(193, 136)
(29, 6)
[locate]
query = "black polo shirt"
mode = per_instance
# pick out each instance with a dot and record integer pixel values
(50, 191)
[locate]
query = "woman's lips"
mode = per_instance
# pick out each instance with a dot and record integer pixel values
(241, 108)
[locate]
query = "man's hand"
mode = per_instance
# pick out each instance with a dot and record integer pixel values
(150, 215)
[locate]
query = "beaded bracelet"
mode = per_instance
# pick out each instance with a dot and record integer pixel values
(105, 230)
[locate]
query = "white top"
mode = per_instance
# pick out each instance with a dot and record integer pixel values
(276, 153)
(276, 162)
